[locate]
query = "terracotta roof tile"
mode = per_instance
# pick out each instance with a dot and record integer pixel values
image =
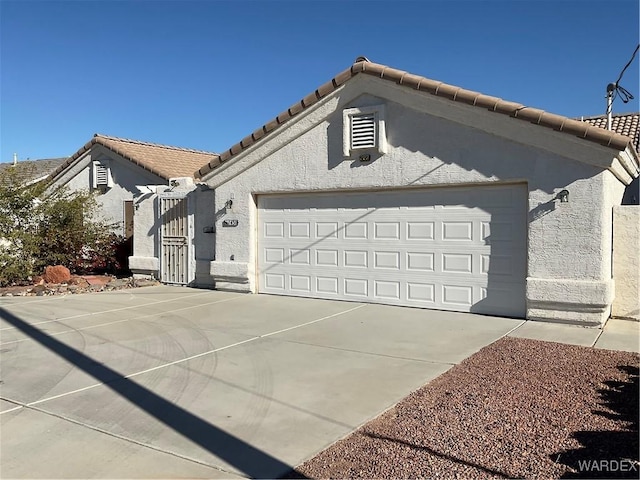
(627, 124)
(614, 139)
(163, 160)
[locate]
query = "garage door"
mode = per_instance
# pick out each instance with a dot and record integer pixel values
(461, 249)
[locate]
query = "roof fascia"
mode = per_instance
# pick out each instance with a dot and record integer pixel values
(504, 126)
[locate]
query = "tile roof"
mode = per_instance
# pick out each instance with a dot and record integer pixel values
(31, 171)
(163, 160)
(623, 123)
(433, 87)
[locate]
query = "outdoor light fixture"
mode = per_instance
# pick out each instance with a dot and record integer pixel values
(228, 204)
(563, 196)
(365, 157)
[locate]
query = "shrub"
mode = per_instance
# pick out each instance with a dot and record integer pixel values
(59, 227)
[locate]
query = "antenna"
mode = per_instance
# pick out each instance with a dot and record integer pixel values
(614, 89)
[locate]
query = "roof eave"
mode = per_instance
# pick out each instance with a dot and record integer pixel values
(98, 140)
(515, 110)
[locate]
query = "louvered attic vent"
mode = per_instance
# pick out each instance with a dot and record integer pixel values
(364, 130)
(101, 175)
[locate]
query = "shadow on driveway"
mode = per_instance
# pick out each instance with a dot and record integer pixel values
(242, 456)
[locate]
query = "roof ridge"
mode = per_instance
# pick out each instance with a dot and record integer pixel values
(152, 144)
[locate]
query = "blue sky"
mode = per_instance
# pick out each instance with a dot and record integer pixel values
(204, 74)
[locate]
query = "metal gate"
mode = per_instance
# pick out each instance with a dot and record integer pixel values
(175, 240)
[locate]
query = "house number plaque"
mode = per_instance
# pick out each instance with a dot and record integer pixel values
(230, 223)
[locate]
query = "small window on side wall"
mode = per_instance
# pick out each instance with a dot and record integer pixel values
(101, 175)
(364, 130)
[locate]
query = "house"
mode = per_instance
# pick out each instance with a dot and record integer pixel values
(387, 187)
(119, 170)
(625, 124)
(29, 172)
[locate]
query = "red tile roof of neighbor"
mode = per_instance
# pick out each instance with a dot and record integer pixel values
(363, 66)
(623, 123)
(163, 160)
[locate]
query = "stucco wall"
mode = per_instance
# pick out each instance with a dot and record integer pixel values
(569, 278)
(626, 261)
(204, 234)
(145, 260)
(125, 177)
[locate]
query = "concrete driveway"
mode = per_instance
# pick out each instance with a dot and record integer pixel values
(175, 382)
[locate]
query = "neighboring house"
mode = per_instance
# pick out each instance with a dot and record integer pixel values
(625, 124)
(387, 187)
(29, 172)
(119, 169)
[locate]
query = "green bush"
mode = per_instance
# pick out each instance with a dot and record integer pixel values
(57, 228)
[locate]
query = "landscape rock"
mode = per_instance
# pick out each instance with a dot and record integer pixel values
(56, 274)
(75, 285)
(78, 281)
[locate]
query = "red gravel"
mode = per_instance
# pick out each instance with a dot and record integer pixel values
(516, 409)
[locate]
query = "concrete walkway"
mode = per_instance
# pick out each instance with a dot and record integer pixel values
(164, 382)
(617, 334)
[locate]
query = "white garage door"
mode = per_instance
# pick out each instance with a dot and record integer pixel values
(461, 249)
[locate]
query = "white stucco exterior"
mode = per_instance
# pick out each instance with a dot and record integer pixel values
(146, 259)
(626, 261)
(435, 142)
(125, 177)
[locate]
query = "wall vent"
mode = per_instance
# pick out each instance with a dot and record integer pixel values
(101, 175)
(364, 130)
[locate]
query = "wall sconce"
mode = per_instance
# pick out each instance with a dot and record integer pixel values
(563, 196)
(229, 203)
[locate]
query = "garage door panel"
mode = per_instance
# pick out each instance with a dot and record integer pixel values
(386, 260)
(457, 249)
(300, 283)
(326, 230)
(327, 286)
(388, 290)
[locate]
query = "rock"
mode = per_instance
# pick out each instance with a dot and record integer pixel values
(143, 282)
(78, 281)
(119, 283)
(57, 274)
(38, 280)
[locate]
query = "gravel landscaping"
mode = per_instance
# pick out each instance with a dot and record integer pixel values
(516, 409)
(77, 284)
